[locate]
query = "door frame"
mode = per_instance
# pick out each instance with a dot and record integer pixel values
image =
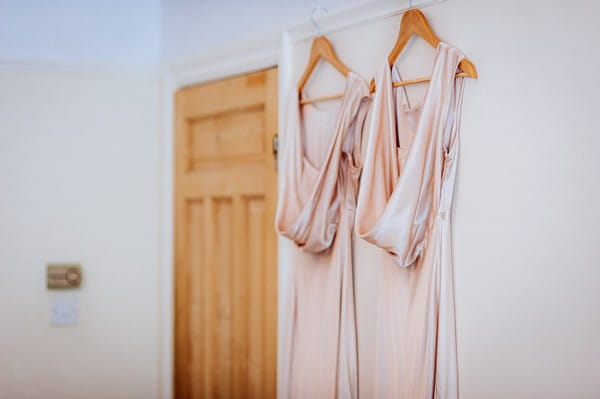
(236, 59)
(240, 57)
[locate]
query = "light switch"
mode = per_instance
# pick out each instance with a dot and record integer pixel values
(63, 312)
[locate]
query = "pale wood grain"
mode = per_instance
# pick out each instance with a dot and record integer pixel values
(225, 243)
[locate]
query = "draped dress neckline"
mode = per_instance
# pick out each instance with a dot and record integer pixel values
(425, 100)
(348, 83)
(311, 215)
(395, 176)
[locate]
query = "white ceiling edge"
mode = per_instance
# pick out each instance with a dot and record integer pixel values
(352, 16)
(80, 70)
(265, 50)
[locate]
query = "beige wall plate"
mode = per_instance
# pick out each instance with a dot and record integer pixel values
(63, 275)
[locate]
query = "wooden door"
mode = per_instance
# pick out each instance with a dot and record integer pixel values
(225, 243)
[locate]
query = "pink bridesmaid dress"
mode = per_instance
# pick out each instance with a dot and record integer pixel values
(319, 167)
(404, 208)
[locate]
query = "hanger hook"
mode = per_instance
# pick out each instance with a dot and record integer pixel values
(312, 17)
(410, 4)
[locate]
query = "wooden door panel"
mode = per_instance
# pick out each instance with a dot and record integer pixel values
(228, 136)
(225, 266)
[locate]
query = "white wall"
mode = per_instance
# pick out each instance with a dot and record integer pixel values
(79, 183)
(88, 32)
(527, 202)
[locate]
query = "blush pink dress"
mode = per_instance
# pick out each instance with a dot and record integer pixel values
(404, 208)
(319, 170)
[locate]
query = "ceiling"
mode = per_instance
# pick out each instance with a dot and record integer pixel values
(137, 33)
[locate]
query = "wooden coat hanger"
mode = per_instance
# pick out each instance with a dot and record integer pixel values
(414, 23)
(321, 49)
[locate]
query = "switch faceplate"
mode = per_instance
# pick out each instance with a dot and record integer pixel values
(63, 275)
(63, 312)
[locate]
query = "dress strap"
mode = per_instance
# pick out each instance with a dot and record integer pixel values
(397, 76)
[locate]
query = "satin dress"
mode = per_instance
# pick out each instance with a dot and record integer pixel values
(404, 208)
(319, 170)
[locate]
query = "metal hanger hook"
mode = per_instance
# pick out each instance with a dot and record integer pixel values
(312, 17)
(410, 4)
